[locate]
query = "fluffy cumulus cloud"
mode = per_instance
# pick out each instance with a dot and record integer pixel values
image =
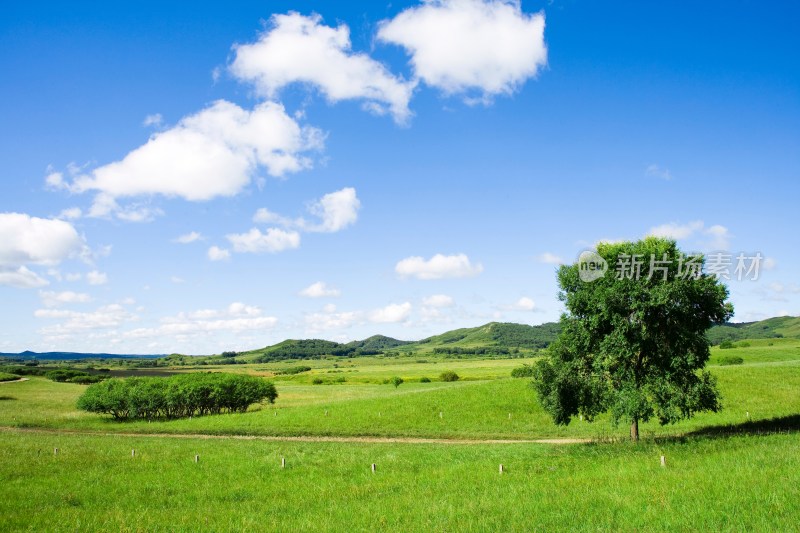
(334, 212)
(215, 253)
(213, 153)
(320, 289)
(437, 267)
(273, 240)
(715, 237)
(27, 240)
(300, 49)
(331, 319)
(524, 304)
(462, 45)
(391, 313)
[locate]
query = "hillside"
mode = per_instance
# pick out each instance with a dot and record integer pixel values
(771, 328)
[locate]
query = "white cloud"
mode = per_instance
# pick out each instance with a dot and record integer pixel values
(109, 316)
(524, 304)
(237, 318)
(461, 45)
(719, 237)
(27, 240)
(273, 241)
(550, 259)
(655, 171)
(438, 300)
(21, 278)
(320, 290)
(716, 237)
(769, 263)
(30, 240)
(215, 152)
(437, 267)
(216, 253)
(676, 231)
(329, 319)
(177, 280)
(299, 49)
(71, 214)
(391, 313)
(74, 276)
(187, 238)
(96, 278)
(55, 299)
(335, 211)
(153, 120)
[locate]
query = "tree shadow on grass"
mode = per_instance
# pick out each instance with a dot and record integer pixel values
(781, 424)
(769, 426)
(7, 398)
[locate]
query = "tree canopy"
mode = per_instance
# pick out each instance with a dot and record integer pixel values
(633, 340)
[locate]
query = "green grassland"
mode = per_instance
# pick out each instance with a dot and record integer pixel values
(738, 469)
(94, 484)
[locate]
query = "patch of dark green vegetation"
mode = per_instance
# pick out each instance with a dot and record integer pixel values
(179, 396)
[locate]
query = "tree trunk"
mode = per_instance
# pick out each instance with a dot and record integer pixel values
(635, 429)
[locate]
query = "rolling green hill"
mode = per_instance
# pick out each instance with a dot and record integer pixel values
(771, 328)
(494, 338)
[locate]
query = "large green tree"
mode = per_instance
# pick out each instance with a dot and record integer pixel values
(633, 339)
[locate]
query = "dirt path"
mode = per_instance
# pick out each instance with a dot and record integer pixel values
(13, 381)
(299, 438)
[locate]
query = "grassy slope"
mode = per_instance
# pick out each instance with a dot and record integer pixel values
(713, 484)
(765, 386)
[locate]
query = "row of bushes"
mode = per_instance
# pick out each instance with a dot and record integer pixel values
(8, 377)
(177, 396)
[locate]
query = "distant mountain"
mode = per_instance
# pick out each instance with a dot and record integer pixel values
(491, 339)
(70, 356)
(771, 328)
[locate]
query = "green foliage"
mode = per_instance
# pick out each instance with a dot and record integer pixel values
(396, 381)
(8, 377)
(70, 375)
(292, 370)
(633, 347)
(727, 360)
(524, 336)
(524, 371)
(726, 345)
(229, 354)
(424, 379)
(178, 396)
(448, 375)
(317, 381)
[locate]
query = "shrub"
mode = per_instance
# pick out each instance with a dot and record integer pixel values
(424, 380)
(86, 379)
(730, 360)
(317, 381)
(176, 396)
(726, 345)
(292, 370)
(524, 371)
(8, 377)
(396, 381)
(340, 379)
(449, 375)
(743, 344)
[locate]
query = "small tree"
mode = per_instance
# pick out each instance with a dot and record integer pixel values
(396, 381)
(634, 345)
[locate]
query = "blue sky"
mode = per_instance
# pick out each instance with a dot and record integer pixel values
(345, 169)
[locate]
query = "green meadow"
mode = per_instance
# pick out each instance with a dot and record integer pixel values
(738, 469)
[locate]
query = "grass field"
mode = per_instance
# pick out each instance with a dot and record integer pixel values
(734, 470)
(731, 483)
